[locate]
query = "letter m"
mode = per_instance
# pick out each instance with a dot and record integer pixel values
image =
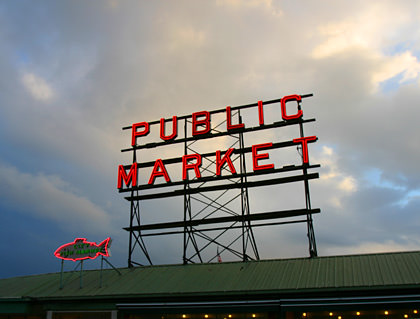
(132, 175)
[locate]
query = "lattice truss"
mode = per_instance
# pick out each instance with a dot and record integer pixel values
(236, 236)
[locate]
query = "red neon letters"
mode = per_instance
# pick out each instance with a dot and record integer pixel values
(226, 159)
(197, 123)
(286, 117)
(229, 124)
(174, 129)
(260, 113)
(135, 134)
(201, 125)
(159, 170)
(304, 141)
(256, 157)
(201, 121)
(132, 175)
(195, 166)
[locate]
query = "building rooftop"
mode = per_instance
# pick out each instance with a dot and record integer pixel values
(284, 276)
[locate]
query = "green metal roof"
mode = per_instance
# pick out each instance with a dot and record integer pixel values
(370, 271)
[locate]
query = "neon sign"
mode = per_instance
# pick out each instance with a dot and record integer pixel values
(201, 126)
(80, 249)
(210, 174)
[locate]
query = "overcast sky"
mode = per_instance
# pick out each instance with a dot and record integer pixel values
(73, 73)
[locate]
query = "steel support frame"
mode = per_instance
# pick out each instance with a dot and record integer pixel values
(135, 236)
(192, 233)
(309, 221)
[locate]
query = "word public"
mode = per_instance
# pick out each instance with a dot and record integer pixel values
(201, 125)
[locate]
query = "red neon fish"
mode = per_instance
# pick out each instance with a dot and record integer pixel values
(81, 249)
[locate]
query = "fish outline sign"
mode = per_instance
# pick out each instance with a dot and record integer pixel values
(81, 249)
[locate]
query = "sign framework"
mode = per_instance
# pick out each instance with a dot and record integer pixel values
(227, 171)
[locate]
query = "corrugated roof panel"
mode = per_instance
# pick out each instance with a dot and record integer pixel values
(412, 264)
(401, 263)
(370, 268)
(322, 280)
(339, 272)
(344, 272)
(312, 270)
(384, 271)
(390, 264)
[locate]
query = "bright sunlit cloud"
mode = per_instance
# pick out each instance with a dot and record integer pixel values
(373, 32)
(37, 87)
(405, 64)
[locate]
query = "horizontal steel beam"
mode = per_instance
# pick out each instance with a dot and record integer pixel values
(227, 219)
(266, 182)
(233, 226)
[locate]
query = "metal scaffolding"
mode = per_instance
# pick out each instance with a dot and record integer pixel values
(217, 217)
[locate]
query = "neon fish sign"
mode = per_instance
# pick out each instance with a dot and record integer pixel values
(81, 249)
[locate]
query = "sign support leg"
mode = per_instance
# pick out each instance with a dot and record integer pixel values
(102, 267)
(311, 234)
(81, 274)
(61, 274)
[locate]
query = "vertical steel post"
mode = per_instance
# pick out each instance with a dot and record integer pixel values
(102, 267)
(243, 197)
(311, 234)
(188, 230)
(132, 212)
(135, 239)
(184, 256)
(81, 274)
(61, 274)
(247, 232)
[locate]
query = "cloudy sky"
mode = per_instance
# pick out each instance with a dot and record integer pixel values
(73, 73)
